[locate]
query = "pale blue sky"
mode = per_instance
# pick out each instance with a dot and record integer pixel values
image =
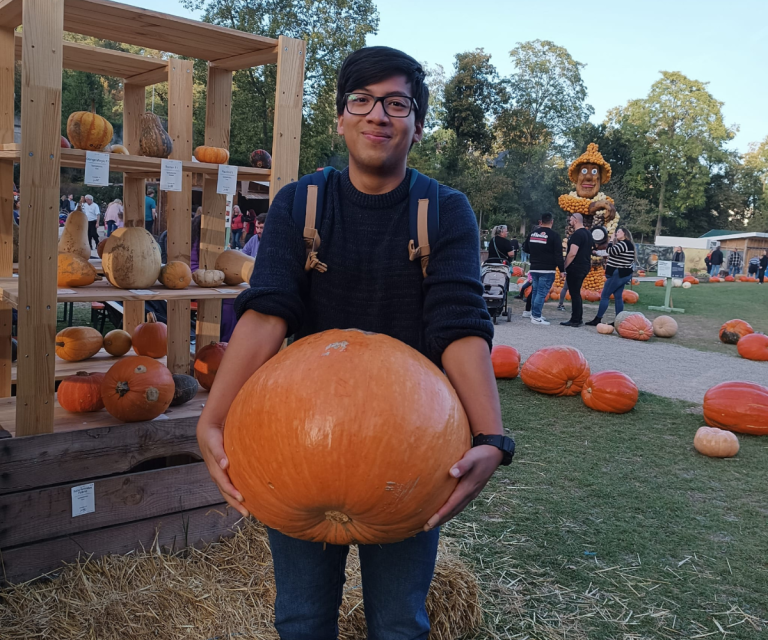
(623, 43)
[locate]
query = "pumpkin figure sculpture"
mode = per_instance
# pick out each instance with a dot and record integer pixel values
(318, 456)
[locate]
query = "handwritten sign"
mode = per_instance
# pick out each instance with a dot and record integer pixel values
(96, 169)
(170, 175)
(227, 183)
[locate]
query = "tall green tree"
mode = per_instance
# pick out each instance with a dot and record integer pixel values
(678, 137)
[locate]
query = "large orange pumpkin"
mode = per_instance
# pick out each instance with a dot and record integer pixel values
(635, 327)
(737, 406)
(81, 392)
(506, 361)
(150, 338)
(733, 330)
(321, 452)
(556, 371)
(88, 131)
(610, 391)
(207, 363)
(715, 279)
(753, 346)
(137, 388)
(630, 297)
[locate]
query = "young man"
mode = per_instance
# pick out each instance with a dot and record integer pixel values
(369, 284)
(716, 261)
(546, 250)
(150, 210)
(577, 265)
(251, 247)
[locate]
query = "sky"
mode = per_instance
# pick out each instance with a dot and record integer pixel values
(624, 44)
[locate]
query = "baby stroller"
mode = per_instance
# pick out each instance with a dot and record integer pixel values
(495, 279)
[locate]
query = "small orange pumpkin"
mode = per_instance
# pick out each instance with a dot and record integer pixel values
(506, 361)
(733, 330)
(117, 342)
(753, 346)
(729, 279)
(150, 338)
(137, 388)
(715, 443)
(610, 391)
(660, 283)
(737, 406)
(78, 343)
(207, 362)
(81, 393)
(715, 279)
(520, 280)
(214, 155)
(175, 275)
(635, 327)
(629, 296)
(517, 271)
(556, 371)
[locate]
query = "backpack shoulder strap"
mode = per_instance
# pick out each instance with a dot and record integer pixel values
(424, 215)
(307, 213)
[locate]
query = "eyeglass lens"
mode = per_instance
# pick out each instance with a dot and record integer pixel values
(361, 104)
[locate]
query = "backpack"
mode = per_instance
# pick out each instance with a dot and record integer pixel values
(423, 213)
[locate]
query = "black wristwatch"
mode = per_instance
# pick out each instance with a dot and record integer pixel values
(504, 443)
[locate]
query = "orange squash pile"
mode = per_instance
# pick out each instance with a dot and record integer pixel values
(610, 391)
(737, 406)
(319, 457)
(556, 371)
(595, 278)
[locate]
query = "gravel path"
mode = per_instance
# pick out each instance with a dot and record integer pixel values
(664, 369)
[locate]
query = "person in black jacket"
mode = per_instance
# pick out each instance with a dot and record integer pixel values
(716, 261)
(546, 250)
(763, 266)
(577, 265)
(500, 249)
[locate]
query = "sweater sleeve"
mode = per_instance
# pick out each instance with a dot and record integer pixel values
(279, 283)
(453, 294)
(618, 248)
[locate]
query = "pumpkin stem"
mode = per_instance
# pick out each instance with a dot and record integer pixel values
(337, 516)
(82, 373)
(122, 388)
(150, 316)
(60, 344)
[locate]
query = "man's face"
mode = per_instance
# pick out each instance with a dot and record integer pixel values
(70, 196)
(89, 200)
(588, 181)
(259, 228)
(377, 141)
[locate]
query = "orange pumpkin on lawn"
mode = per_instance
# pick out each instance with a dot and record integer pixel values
(737, 406)
(733, 330)
(610, 391)
(635, 327)
(506, 361)
(753, 346)
(556, 371)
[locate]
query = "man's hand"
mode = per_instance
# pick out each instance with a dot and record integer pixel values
(210, 438)
(474, 471)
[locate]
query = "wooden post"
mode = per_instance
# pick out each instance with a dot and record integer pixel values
(217, 121)
(179, 206)
(6, 202)
(39, 188)
(286, 136)
(134, 104)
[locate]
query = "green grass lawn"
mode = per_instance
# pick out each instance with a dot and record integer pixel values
(609, 526)
(707, 307)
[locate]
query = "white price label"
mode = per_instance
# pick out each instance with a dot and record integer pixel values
(227, 183)
(83, 500)
(143, 292)
(61, 291)
(229, 290)
(96, 169)
(170, 175)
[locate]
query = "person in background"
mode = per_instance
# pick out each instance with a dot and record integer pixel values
(110, 216)
(251, 247)
(678, 255)
(236, 227)
(150, 210)
(249, 219)
(716, 261)
(735, 263)
(64, 206)
(515, 248)
(763, 266)
(500, 249)
(194, 252)
(16, 206)
(546, 250)
(92, 212)
(621, 257)
(754, 267)
(120, 221)
(708, 261)
(563, 293)
(578, 261)
(72, 203)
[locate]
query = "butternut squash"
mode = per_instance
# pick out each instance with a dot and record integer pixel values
(237, 266)
(74, 238)
(73, 271)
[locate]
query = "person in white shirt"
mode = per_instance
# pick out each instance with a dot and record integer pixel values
(92, 212)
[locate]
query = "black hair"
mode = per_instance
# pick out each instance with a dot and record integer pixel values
(261, 218)
(546, 218)
(370, 65)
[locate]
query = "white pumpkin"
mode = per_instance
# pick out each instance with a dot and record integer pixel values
(686, 285)
(131, 258)
(677, 282)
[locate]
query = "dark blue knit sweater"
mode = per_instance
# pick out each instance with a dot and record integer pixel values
(370, 283)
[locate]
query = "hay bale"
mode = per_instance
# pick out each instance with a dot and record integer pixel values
(226, 588)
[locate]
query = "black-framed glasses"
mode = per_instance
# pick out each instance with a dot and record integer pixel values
(361, 104)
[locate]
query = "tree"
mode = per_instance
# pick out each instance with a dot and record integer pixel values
(678, 135)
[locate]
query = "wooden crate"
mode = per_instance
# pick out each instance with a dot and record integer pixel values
(172, 501)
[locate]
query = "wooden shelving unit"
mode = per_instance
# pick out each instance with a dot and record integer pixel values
(51, 450)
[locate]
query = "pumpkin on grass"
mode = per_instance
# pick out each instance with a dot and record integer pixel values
(81, 393)
(78, 343)
(137, 388)
(729, 279)
(74, 271)
(629, 296)
(660, 283)
(635, 327)
(733, 330)
(308, 413)
(753, 346)
(610, 391)
(207, 362)
(506, 361)
(150, 338)
(556, 371)
(715, 443)
(517, 271)
(117, 342)
(665, 327)
(737, 406)
(715, 279)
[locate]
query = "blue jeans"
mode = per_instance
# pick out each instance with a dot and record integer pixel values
(309, 577)
(714, 269)
(614, 285)
(111, 226)
(542, 283)
(236, 233)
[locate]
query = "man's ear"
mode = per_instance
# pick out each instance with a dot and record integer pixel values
(340, 125)
(418, 132)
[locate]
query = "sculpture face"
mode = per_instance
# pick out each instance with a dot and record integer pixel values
(588, 181)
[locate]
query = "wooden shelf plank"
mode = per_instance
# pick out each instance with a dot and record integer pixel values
(109, 62)
(65, 421)
(142, 165)
(101, 291)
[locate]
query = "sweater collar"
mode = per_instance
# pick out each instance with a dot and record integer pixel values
(368, 201)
